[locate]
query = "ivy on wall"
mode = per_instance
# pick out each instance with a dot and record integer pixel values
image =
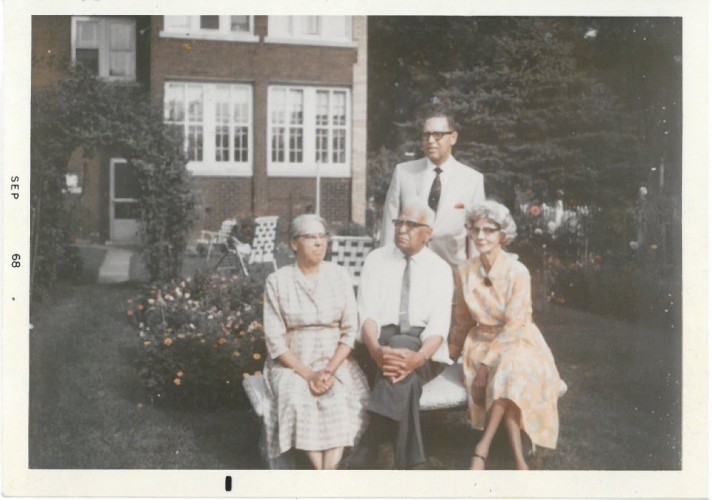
(85, 113)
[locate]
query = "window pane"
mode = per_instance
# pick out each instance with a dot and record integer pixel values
(209, 22)
(120, 64)
(339, 155)
(88, 34)
(278, 144)
(296, 101)
(195, 143)
(322, 107)
(222, 143)
(278, 100)
(240, 143)
(120, 36)
(176, 23)
(339, 117)
(126, 210)
(295, 145)
(322, 145)
(175, 103)
(89, 58)
(125, 181)
(194, 96)
(240, 23)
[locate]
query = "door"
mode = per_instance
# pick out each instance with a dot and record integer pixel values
(123, 209)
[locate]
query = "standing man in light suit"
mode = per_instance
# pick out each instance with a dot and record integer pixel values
(448, 186)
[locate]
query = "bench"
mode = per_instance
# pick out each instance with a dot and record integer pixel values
(444, 392)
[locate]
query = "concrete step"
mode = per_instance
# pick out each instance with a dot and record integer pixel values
(115, 268)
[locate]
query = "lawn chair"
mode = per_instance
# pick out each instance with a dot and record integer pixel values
(220, 237)
(351, 252)
(263, 244)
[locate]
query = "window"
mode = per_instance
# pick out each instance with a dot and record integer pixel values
(308, 128)
(229, 28)
(215, 121)
(106, 46)
(311, 30)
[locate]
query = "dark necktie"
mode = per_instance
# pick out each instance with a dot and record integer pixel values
(434, 197)
(403, 319)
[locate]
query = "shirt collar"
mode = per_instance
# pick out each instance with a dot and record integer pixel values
(445, 166)
(418, 257)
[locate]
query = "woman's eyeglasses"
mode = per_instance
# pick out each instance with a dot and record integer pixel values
(409, 224)
(477, 230)
(315, 236)
(436, 135)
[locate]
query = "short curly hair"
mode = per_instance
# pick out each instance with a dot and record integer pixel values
(497, 213)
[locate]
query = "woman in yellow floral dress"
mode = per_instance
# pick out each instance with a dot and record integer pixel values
(509, 370)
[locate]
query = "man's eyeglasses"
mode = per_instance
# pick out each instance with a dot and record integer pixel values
(409, 224)
(315, 236)
(436, 135)
(487, 230)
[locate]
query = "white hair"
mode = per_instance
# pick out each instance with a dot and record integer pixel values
(420, 208)
(497, 213)
(298, 223)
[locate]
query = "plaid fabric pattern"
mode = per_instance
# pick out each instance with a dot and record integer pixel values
(300, 316)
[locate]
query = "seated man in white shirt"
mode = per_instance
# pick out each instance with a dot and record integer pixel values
(405, 301)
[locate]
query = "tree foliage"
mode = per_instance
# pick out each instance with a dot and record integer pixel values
(94, 116)
(580, 105)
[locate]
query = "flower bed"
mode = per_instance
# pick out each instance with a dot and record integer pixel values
(199, 337)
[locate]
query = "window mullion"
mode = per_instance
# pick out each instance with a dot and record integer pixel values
(209, 123)
(309, 127)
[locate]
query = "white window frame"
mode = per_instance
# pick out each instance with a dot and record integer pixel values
(195, 32)
(209, 166)
(308, 166)
(103, 44)
(291, 30)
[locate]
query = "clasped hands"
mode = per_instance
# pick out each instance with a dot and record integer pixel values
(397, 363)
(320, 382)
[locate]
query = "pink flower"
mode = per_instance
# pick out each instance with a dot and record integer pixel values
(535, 211)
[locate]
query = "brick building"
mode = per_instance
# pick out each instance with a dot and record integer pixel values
(266, 105)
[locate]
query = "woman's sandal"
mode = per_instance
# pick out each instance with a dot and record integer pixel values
(475, 456)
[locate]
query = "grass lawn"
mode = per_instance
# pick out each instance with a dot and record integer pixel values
(88, 408)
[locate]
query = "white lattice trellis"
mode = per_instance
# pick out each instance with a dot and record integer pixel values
(351, 252)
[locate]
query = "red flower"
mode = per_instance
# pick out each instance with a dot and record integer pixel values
(535, 211)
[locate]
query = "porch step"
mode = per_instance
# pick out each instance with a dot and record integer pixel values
(115, 268)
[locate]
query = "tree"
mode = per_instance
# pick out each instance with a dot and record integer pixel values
(532, 121)
(86, 113)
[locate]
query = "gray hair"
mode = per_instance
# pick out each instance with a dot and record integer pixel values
(420, 208)
(298, 223)
(497, 213)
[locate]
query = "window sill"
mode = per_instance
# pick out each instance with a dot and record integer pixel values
(312, 41)
(326, 171)
(216, 37)
(214, 169)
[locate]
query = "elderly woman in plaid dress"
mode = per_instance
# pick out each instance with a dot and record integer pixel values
(310, 318)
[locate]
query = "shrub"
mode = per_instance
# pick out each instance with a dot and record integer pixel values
(200, 337)
(85, 113)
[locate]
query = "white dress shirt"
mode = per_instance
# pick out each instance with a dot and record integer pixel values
(430, 299)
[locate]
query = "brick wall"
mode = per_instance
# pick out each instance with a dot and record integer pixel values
(260, 64)
(51, 48)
